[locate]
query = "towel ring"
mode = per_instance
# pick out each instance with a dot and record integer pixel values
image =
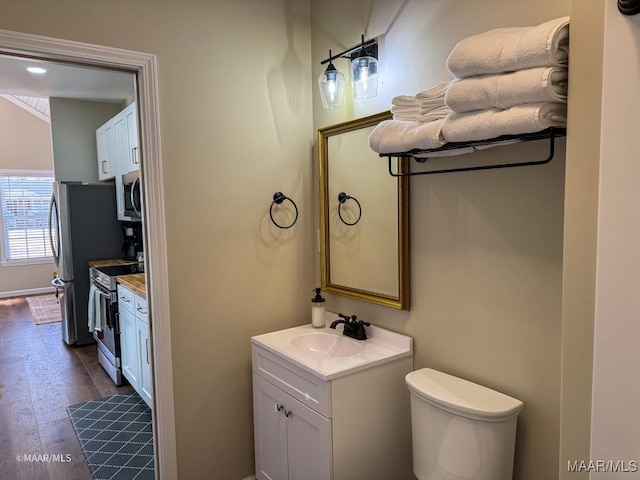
(278, 198)
(342, 198)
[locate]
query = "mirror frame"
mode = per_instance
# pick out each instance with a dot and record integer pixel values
(402, 300)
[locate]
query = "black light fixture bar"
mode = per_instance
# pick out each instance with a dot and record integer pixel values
(629, 7)
(370, 47)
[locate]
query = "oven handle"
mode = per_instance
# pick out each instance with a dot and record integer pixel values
(103, 294)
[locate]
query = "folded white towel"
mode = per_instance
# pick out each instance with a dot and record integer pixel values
(511, 49)
(434, 114)
(486, 124)
(404, 100)
(392, 136)
(437, 91)
(533, 85)
(405, 113)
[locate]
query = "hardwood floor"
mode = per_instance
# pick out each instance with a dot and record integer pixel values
(39, 377)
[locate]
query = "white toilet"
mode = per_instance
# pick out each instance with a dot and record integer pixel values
(460, 430)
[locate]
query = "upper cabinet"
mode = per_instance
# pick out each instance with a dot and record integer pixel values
(119, 153)
(118, 144)
(125, 126)
(105, 140)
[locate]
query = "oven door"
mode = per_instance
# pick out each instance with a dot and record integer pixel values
(109, 339)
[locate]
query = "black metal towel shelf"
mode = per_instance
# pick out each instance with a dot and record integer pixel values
(420, 155)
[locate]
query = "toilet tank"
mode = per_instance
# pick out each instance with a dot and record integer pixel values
(460, 430)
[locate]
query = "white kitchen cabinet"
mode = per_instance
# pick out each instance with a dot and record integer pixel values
(118, 147)
(135, 342)
(106, 151)
(351, 427)
(126, 140)
(144, 350)
(292, 440)
(133, 140)
(128, 336)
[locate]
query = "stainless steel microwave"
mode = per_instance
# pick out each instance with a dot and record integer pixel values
(132, 195)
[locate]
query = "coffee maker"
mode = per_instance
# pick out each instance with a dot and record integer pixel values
(131, 243)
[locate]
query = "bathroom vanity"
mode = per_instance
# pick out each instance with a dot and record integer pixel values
(327, 407)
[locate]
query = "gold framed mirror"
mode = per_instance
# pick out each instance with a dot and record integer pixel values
(364, 217)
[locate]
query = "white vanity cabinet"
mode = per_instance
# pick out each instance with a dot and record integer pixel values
(134, 342)
(106, 151)
(349, 424)
(292, 440)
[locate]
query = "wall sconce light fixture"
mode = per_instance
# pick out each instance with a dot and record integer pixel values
(331, 84)
(364, 74)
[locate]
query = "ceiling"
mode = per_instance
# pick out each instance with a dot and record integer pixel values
(64, 81)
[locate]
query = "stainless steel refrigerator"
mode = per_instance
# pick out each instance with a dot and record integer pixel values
(83, 226)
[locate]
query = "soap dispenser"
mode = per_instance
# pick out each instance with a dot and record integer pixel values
(317, 310)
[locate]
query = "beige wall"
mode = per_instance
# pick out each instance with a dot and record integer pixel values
(580, 231)
(486, 247)
(616, 393)
(73, 132)
(25, 143)
(235, 108)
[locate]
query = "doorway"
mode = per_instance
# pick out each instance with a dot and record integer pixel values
(144, 66)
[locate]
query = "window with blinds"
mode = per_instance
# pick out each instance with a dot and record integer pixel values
(25, 198)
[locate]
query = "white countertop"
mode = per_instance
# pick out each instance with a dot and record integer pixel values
(380, 347)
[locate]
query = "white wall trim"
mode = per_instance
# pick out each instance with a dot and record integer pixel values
(27, 292)
(144, 64)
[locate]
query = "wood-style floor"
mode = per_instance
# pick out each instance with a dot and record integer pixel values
(39, 377)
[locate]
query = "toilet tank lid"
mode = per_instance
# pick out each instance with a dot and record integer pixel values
(461, 396)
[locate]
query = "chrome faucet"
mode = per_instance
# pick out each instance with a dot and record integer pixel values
(353, 327)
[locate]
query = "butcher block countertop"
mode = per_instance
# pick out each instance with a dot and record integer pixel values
(107, 263)
(134, 282)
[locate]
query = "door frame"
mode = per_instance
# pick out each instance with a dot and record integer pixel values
(144, 65)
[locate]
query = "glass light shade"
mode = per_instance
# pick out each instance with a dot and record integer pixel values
(364, 77)
(331, 84)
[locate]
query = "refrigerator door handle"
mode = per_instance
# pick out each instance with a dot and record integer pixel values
(55, 251)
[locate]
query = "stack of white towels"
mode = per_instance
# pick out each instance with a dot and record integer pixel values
(508, 81)
(417, 122)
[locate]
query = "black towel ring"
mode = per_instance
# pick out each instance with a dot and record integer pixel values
(342, 198)
(278, 198)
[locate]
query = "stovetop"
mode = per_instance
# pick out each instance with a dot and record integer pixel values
(122, 269)
(106, 276)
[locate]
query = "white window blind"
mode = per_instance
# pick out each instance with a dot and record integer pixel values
(25, 198)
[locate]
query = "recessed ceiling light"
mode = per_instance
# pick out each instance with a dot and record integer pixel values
(37, 70)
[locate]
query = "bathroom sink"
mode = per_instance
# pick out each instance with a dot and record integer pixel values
(327, 354)
(326, 345)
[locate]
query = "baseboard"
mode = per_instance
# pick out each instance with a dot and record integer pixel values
(24, 293)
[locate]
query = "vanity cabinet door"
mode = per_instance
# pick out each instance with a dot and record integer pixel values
(270, 430)
(308, 442)
(291, 440)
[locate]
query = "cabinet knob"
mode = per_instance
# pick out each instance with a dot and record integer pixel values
(279, 407)
(287, 413)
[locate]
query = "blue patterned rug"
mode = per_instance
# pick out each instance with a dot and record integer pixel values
(116, 437)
